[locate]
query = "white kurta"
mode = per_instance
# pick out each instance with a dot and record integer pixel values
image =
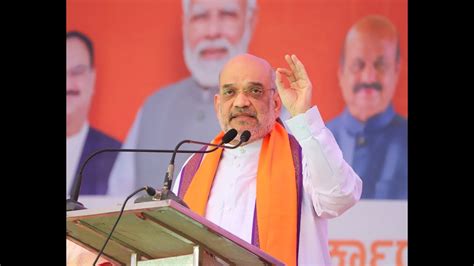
(330, 187)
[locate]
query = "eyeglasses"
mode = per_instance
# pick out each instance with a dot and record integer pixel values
(77, 71)
(255, 92)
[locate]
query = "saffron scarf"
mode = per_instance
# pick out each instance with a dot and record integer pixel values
(276, 194)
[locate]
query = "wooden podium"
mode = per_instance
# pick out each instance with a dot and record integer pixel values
(161, 233)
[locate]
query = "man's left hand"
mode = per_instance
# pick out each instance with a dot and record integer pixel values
(297, 97)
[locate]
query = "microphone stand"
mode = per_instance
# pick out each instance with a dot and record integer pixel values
(72, 204)
(165, 192)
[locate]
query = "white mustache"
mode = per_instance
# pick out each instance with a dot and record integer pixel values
(206, 72)
(220, 43)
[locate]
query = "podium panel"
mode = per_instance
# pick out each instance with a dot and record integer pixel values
(158, 229)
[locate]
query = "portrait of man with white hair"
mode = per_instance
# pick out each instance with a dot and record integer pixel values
(213, 32)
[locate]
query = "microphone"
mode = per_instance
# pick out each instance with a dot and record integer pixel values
(244, 137)
(73, 204)
(166, 192)
(228, 137)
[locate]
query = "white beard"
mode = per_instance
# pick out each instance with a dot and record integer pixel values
(206, 72)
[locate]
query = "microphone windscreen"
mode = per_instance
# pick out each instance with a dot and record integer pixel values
(245, 136)
(150, 191)
(229, 136)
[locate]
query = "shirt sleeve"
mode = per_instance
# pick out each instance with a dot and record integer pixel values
(328, 180)
(122, 176)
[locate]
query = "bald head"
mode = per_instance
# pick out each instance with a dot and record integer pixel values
(369, 66)
(372, 27)
(247, 98)
(243, 61)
